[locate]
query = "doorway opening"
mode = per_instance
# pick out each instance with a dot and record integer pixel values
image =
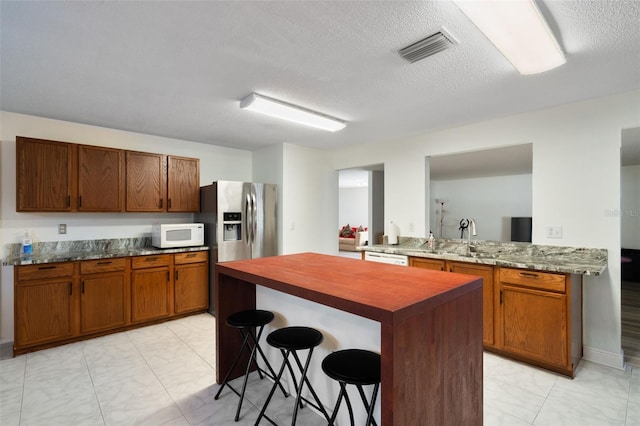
(630, 244)
(360, 208)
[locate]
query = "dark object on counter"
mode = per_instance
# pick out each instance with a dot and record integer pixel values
(354, 367)
(521, 229)
(246, 322)
(631, 269)
(290, 340)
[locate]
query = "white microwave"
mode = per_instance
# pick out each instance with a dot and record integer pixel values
(171, 235)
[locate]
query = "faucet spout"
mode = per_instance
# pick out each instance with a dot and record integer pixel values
(471, 231)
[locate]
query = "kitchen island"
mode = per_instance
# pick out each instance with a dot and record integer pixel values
(430, 327)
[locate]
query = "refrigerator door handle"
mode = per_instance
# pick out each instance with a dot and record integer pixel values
(247, 219)
(254, 220)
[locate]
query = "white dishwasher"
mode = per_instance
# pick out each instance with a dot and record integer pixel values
(393, 259)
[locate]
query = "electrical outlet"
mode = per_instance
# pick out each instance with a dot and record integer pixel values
(553, 231)
(62, 228)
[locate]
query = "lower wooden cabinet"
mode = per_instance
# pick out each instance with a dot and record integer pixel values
(532, 316)
(151, 287)
(58, 303)
(425, 263)
(541, 318)
(44, 310)
(488, 312)
(104, 294)
(191, 271)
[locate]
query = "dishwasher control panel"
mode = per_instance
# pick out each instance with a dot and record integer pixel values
(393, 259)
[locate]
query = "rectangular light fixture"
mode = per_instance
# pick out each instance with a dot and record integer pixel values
(290, 112)
(518, 30)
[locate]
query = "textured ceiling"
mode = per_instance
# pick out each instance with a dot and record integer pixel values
(180, 68)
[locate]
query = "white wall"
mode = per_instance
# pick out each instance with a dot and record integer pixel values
(630, 206)
(353, 206)
(309, 201)
(575, 181)
(215, 163)
(491, 201)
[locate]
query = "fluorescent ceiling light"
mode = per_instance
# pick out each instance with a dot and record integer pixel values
(518, 30)
(286, 111)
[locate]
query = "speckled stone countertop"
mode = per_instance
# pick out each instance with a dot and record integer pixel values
(67, 251)
(572, 260)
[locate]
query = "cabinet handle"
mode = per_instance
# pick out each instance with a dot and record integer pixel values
(176, 275)
(442, 268)
(167, 276)
(169, 203)
(80, 201)
(70, 289)
(529, 274)
(42, 268)
(151, 259)
(82, 286)
(161, 202)
(192, 255)
(105, 263)
(501, 297)
(68, 200)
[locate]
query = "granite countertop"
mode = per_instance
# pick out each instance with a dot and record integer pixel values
(572, 260)
(68, 251)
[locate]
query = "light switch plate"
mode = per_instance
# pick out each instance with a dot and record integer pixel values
(62, 228)
(553, 231)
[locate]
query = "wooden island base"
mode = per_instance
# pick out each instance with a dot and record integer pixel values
(430, 325)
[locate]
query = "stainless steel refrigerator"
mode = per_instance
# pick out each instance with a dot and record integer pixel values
(239, 223)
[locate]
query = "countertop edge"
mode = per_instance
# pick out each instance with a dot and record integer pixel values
(588, 270)
(76, 256)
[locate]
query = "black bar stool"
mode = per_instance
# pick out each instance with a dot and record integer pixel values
(246, 322)
(354, 367)
(289, 340)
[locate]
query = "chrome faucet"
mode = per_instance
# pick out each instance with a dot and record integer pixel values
(470, 231)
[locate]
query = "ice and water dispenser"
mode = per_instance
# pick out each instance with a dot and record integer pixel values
(232, 226)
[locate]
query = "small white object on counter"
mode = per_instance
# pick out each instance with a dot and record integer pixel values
(392, 233)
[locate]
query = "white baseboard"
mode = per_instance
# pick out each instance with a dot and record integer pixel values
(610, 359)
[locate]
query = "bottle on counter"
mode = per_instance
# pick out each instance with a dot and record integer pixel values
(27, 246)
(431, 238)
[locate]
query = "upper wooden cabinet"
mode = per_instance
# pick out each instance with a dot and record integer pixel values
(66, 177)
(146, 182)
(183, 184)
(45, 175)
(100, 179)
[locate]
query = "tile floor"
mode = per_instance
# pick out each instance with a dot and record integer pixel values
(165, 375)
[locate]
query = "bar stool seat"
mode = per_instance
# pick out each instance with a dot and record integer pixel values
(289, 340)
(354, 367)
(246, 322)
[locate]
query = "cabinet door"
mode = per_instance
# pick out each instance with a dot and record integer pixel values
(486, 272)
(102, 302)
(534, 324)
(145, 182)
(421, 262)
(44, 175)
(150, 292)
(43, 312)
(183, 184)
(100, 179)
(191, 285)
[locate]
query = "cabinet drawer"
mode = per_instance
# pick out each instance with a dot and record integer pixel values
(49, 270)
(534, 279)
(190, 257)
(102, 265)
(151, 261)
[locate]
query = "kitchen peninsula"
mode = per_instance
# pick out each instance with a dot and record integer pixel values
(532, 294)
(430, 326)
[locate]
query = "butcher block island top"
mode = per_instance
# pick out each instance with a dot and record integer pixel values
(430, 324)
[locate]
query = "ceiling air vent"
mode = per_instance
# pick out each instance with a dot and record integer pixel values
(427, 46)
